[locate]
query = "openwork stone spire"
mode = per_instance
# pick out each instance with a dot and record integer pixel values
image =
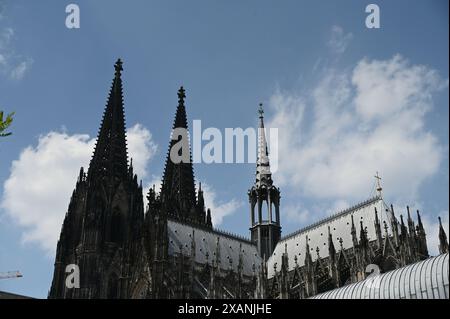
(263, 173)
(110, 155)
(264, 199)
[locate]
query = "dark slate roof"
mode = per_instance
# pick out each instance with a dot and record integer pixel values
(340, 227)
(427, 279)
(231, 246)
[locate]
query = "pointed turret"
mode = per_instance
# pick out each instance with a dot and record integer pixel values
(208, 218)
(200, 198)
(363, 240)
(201, 210)
(353, 233)
(443, 243)
(422, 237)
(264, 199)
(331, 248)
(411, 226)
(419, 222)
(110, 155)
(308, 257)
(378, 230)
(403, 229)
(394, 226)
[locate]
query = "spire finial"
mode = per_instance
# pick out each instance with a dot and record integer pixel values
(110, 154)
(378, 181)
(118, 67)
(261, 110)
(181, 95)
(263, 173)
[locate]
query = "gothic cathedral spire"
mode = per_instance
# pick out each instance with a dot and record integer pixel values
(103, 224)
(110, 155)
(178, 195)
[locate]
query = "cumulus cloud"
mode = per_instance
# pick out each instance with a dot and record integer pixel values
(41, 181)
(141, 148)
(219, 209)
(334, 137)
(339, 40)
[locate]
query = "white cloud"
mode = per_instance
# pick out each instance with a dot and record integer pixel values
(219, 209)
(339, 40)
(392, 88)
(6, 34)
(141, 148)
(334, 138)
(18, 72)
(297, 214)
(37, 191)
(11, 64)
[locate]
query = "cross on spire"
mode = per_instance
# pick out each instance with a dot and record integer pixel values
(181, 95)
(378, 181)
(178, 186)
(118, 67)
(261, 110)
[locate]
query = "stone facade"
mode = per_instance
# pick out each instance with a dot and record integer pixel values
(170, 249)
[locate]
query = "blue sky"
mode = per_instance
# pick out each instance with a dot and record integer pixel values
(348, 101)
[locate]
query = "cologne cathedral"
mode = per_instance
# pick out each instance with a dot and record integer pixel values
(170, 249)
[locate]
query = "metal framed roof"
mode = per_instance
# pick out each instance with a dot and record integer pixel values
(427, 279)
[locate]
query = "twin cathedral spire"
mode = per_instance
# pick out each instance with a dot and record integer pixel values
(178, 194)
(110, 155)
(123, 252)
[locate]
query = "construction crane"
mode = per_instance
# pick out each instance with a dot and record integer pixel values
(10, 274)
